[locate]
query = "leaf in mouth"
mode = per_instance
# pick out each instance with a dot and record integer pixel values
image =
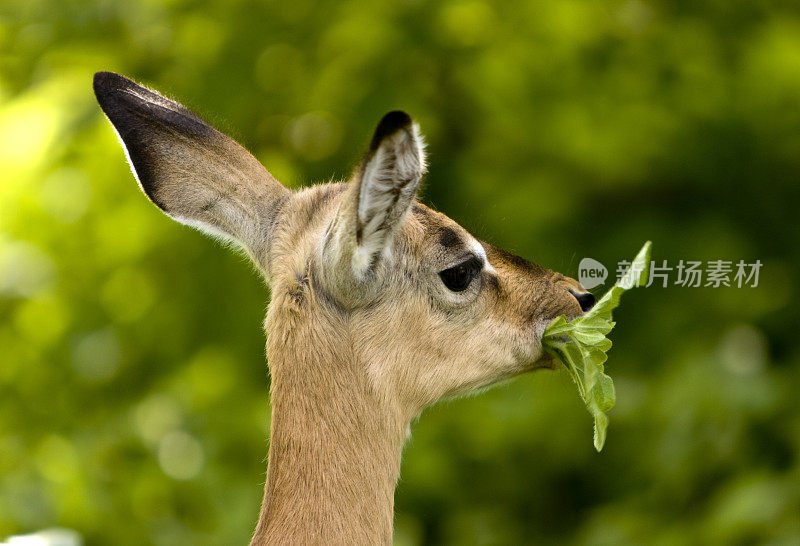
(581, 345)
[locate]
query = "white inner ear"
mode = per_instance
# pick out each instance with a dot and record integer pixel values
(388, 186)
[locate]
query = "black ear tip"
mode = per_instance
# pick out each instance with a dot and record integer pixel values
(396, 119)
(109, 84)
(106, 86)
(390, 123)
(105, 81)
(101, 78)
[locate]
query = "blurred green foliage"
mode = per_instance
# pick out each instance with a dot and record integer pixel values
(133, 388)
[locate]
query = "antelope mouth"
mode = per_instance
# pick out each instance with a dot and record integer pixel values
(546, 359)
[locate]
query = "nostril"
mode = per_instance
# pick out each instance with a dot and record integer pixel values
(585, 300)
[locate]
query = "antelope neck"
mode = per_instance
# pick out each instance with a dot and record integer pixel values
(334, 455)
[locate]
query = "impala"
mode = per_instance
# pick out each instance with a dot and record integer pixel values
(380, 305)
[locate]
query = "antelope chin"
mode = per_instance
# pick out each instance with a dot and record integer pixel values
(547, 361)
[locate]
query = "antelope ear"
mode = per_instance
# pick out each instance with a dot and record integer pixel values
(381, 192)
(191, 171)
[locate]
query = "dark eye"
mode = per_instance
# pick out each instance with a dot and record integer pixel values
(457, 278)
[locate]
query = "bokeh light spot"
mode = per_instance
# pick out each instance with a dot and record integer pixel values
(157, 415)
(315, 135)
(96, 356)
(180, 455)
(24, 268)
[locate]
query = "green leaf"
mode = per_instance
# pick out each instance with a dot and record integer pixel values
(581, 345)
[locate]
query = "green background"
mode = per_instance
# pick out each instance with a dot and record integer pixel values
(133, 387)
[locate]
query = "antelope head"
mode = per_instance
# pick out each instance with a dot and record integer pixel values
(380, 305)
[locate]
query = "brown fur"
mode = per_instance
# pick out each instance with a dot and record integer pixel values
(362, 333)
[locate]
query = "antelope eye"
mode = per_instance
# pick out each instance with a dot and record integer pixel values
(457, 278)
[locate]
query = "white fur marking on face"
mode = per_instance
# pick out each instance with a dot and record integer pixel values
(477, 248)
